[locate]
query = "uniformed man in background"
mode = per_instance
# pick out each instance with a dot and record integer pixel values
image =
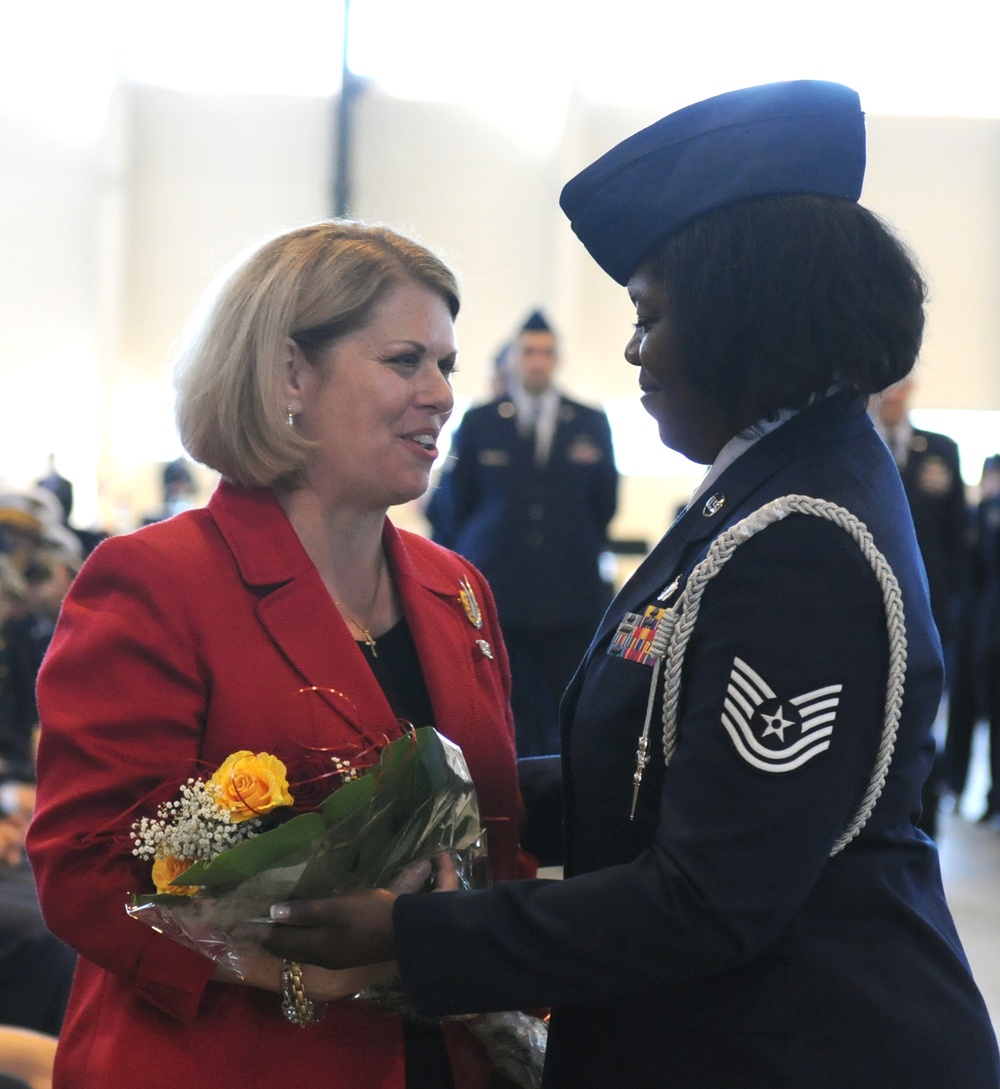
(929, 466)
(527, 495)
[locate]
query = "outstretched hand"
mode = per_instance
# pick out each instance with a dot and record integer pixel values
(351, 930)
(345, 932)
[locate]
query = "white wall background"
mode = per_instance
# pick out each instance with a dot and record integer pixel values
(109, 238)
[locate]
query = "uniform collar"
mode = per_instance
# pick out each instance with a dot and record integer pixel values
(537, 408)
(737, 446)
(832, 420)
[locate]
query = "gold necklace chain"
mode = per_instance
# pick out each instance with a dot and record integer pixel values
(367, 637)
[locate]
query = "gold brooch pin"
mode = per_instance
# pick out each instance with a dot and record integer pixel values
(469, 603)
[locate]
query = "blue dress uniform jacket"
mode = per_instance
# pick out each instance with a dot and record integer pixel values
(713, 941)
(932, 481)
(535, 531)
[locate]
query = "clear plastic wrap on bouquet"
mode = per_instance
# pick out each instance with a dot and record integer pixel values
(416, 803)
(515, 1041)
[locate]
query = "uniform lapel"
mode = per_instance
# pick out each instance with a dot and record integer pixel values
(562, 430)
(679, 549)
(688, 537)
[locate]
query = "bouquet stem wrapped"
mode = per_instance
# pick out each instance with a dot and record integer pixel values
(418, 801)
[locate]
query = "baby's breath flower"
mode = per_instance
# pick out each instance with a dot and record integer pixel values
(193, 826)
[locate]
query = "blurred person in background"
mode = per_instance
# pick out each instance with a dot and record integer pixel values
(527, 494)
(178, 488)
(54, 482)
(36, 969)
(41, 556)
(929, 467)
(974, 692)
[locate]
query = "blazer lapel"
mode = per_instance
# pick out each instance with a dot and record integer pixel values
(441, 631)
(295, 609)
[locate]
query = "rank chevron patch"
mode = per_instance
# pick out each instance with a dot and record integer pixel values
(775, 734)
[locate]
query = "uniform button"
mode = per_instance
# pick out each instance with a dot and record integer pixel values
(536, 512)
(535, 538)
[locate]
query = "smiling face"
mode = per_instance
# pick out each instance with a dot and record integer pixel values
(376, 402)
(687, 421)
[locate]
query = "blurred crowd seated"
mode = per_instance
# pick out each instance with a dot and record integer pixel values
(39, 556)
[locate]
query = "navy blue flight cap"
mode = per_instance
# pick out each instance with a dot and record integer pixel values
(779, 139)
(536, 322)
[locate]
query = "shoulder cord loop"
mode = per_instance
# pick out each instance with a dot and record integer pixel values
(676, 626)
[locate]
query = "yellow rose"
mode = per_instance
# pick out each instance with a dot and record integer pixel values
(166, 869)
(251, 784)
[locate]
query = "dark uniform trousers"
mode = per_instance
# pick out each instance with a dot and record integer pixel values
(932, 480)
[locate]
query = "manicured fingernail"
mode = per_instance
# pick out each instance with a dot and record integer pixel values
(280, 913)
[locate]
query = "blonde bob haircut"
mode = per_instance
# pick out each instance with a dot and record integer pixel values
(314, 284)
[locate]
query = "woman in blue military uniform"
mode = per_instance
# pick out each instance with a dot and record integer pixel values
(748, 901)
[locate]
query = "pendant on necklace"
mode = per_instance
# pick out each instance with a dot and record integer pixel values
(366, 635)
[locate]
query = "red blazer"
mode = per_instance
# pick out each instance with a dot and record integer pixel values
(177, 645)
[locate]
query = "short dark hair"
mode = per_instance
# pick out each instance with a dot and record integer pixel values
(778, 300)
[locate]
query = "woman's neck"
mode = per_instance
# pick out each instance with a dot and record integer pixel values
(346, 549)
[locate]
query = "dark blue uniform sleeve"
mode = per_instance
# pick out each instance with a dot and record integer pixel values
(734, 850)
(604, 496)
(461, 477)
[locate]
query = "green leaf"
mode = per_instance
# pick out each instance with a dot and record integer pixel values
(278, 847)
(417, 801)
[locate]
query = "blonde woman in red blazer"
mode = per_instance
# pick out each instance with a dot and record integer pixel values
(317, 385)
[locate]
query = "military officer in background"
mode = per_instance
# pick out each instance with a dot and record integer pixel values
(929, 467)
(527, 495)
(974, 693)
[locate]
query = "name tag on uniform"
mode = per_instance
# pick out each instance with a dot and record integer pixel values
(582, 451)
(634, 636)
(494, 458)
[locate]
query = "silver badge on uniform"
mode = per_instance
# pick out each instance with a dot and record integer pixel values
(773, 733)
(668, 592)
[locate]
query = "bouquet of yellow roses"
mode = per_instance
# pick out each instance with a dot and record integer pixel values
(217, 866)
